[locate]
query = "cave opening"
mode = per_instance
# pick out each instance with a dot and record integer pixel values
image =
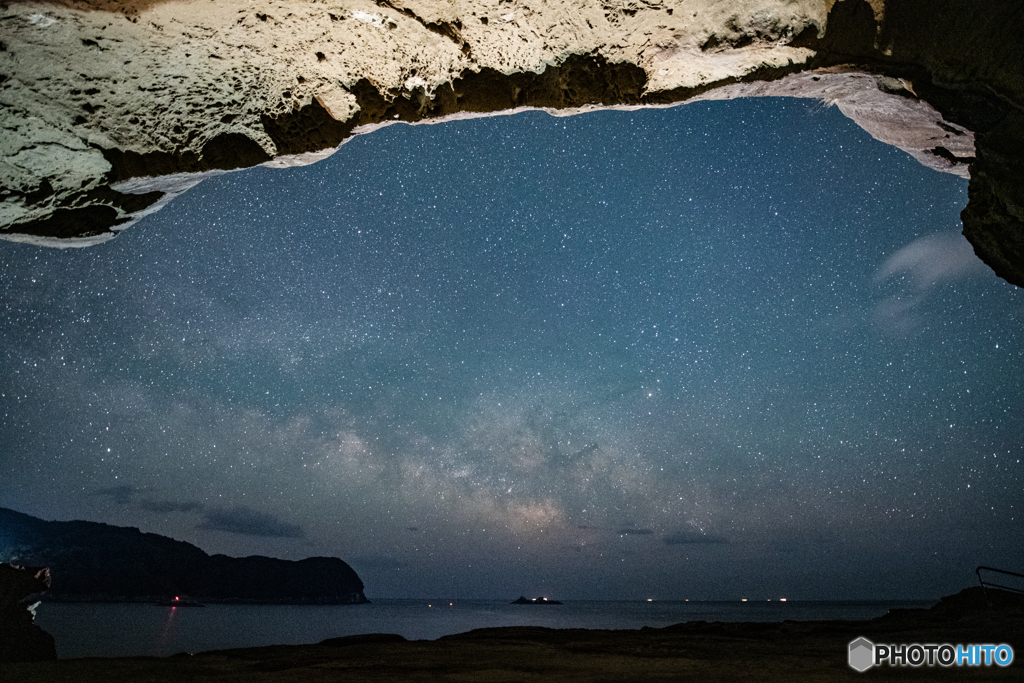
(734, 339)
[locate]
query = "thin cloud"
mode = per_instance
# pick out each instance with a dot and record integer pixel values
(248, 522)
(635, 532)
(693, 538)
(933, 260)
(170, 506)
(900, 315)
(924, 264)
(123, 494)
(126, 494)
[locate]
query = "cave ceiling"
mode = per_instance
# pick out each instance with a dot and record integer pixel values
(111, 109)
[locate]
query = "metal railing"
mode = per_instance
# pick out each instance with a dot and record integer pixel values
(985, 585)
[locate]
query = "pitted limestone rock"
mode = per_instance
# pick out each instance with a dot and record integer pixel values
(113, 107)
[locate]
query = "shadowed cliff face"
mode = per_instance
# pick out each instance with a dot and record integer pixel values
(112, 109)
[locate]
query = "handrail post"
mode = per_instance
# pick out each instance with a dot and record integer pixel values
(985, 584)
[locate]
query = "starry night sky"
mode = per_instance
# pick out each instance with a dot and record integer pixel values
(730, 349)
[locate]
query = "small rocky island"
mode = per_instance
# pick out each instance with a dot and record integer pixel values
(93, 562)
(523, 600)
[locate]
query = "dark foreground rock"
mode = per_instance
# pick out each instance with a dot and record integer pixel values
(20, 639)
(804, 651)
(99, 562)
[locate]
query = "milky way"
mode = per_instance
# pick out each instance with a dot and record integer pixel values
(732, 349)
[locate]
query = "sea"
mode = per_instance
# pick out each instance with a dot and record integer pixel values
(136, 629)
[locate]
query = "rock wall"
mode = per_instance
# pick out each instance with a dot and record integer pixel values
(111, 109)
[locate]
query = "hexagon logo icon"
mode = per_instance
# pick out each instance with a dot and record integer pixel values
(862, 654)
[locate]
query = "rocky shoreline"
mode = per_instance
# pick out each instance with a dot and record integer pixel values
(791, 650)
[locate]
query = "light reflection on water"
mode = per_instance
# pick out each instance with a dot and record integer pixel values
(166, 640)
(120, 629)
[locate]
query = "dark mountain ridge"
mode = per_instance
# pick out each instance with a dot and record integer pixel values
(91, 561)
